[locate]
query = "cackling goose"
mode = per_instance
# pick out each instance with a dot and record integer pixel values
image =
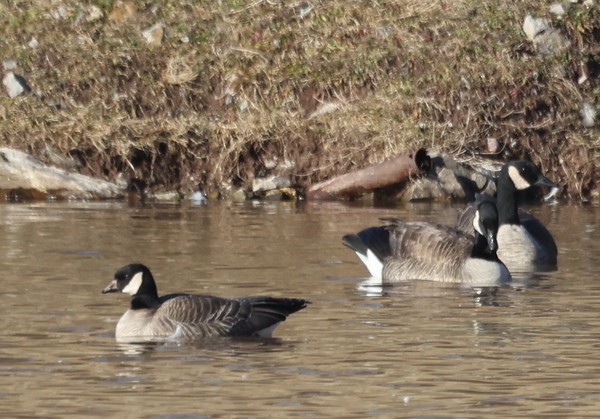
(190, 316)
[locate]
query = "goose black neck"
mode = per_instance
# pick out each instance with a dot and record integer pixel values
(506, 201)
(481, 249)
(144, 301)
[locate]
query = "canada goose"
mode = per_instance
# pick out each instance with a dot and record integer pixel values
(524, 244)
(404, 250)
(189, 316)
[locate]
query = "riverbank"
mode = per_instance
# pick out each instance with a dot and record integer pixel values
(214, 96)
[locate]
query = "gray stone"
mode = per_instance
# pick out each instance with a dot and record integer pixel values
(545, 38)
(243, 105)
(559, 9)
(20, 171)
(450, 184)
(238, 195)
(59, 160)
(59, 13)
(588, 115)
(490, 188)
(273, 195)
(15, 85)
(198, 198)
(422, 189)
(479, 179)
(172, 196)
(270, 183)
(429, 190)
(93, 13)
(550, 42)
(270, 164)
(452, 180)
(154, 34)
(286, 164)
(533, 26)
(305, 10)
(9, 65)
(493, 145)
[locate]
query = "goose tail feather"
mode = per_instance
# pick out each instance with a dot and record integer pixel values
(372, 245)
(266, 313)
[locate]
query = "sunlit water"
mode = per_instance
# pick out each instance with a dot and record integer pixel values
(419, 349)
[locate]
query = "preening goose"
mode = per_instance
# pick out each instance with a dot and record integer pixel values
(524, 244)
(405, 250)
(190, 316)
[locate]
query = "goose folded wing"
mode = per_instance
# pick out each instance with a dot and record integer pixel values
(265, 312)
(465, 219)
(199, 315)
(428, 242)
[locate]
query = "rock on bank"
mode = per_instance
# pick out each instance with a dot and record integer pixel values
(24, 177)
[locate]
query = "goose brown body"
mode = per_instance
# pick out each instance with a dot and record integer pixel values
(405, 250)
(193, 316)
(434, 252)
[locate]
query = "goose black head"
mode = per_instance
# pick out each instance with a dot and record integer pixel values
(485, 223)
(524, 174)
(136, 280)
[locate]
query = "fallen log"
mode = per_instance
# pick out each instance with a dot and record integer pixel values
(354, 184)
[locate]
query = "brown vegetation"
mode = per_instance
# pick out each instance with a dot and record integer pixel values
(238, 86)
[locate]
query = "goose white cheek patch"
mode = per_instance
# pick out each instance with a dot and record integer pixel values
(518, 180)
(134, 284)
(476, 223)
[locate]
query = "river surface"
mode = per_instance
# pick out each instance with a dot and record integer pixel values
(414, 350)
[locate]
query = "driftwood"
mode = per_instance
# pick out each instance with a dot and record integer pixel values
(354, 184)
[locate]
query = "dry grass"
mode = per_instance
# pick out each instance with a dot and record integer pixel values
(327, 85)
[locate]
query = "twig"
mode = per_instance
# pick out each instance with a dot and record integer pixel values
(243, 9)
(249, 51)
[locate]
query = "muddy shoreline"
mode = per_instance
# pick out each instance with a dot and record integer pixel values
(214, 98)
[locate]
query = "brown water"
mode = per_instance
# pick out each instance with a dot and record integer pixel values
(415, 350)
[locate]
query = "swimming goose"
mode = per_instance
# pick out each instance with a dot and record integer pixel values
(524, 244)
(190, 316)
(404, 250)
